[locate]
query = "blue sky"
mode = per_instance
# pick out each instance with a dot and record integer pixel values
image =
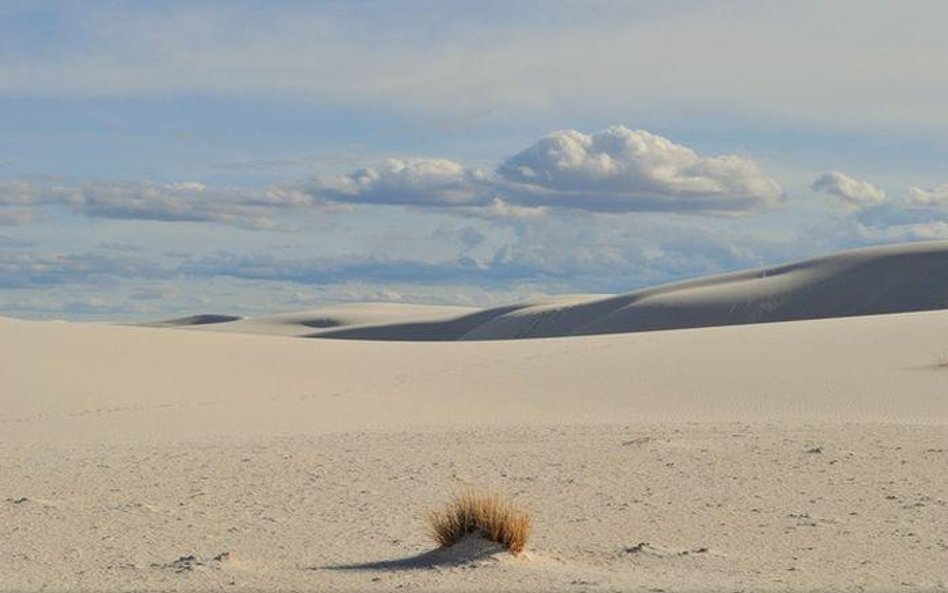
(166, 158)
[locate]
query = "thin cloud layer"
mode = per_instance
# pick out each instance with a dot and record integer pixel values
(616, 170)
(498, 209)
(19, 269)
(144, 200)
(497, 55)
(19, 216)
(854, 192)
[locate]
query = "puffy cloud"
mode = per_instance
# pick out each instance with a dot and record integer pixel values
(415, 181)
(934, 197)
(616, 170)
(854, 192)
(624, 170)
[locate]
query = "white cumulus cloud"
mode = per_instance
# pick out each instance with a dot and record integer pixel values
(616, 170)
(854, 192)
(619, 169)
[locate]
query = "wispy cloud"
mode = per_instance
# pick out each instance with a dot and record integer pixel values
(169, 202)
(28, 269)
(294, 162)
(559, 256)
(18, 216)
(499, 209)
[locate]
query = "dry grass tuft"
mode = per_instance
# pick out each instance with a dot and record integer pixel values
(490, 514)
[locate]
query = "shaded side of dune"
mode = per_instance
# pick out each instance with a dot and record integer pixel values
(425, 331)
(193, 320)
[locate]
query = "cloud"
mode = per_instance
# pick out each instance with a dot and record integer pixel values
(459, 261)
(558, 257)
(615, 170)
(935, 197)
(853, 192)
(923, 231)
(922, 214)
(649, 55)
(468, 237)
(144, 200)
(498, 209)
(298, 162)
(187, 201)
(623, 170)
(19, 216)
(415, 182)
(328, 271)
(42, 269)
(21, 192)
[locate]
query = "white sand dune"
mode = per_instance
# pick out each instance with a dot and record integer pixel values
(799, 456)
(65, 381)
(890, 279)
(310, 322)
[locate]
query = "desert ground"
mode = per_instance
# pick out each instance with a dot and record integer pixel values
(773, 430)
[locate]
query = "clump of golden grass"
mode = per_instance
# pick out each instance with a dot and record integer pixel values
(493, 516)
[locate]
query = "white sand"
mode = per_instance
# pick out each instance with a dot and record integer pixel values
(804, 455)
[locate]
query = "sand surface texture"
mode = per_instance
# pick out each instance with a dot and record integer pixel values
(781, 455)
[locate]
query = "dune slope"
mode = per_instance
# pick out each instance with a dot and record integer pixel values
(79, 381)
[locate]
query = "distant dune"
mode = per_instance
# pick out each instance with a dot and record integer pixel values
(891, 279)
(327, 319)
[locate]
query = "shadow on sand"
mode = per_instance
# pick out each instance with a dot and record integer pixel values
(464, 552)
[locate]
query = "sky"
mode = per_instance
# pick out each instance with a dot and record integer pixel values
(250, 157)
